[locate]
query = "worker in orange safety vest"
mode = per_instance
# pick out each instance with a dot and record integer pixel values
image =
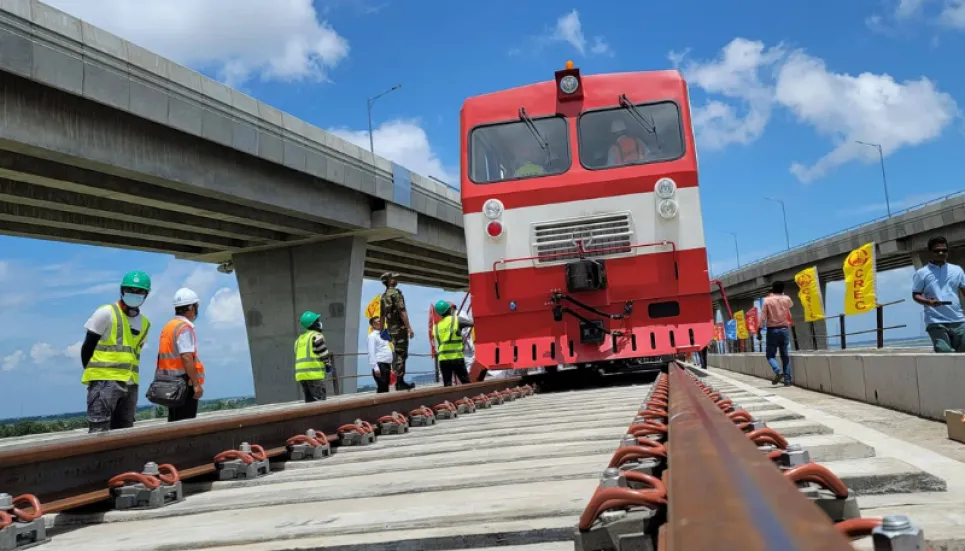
(178, 354)
(626, 149)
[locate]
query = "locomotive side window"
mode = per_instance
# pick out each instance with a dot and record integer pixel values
(524, 148)
(630, 135)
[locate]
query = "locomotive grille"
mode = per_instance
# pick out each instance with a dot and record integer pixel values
(557, 241)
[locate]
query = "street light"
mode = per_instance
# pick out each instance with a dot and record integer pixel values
(784, 211)
(736, 248)
(371, 101)
(884, 180)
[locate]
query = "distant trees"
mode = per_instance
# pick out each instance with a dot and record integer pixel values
(12, 428)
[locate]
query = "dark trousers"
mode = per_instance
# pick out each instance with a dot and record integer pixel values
(314, 390)
(385, 375)
(778, 341)
(456, 367)
(187, 410)
(110, 405)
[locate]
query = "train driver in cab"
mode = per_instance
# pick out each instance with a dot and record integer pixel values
(528, 159)
(626, 148)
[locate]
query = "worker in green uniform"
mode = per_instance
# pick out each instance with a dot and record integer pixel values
(449, 344)
(396, 320)
(111, 356)
(313, 360)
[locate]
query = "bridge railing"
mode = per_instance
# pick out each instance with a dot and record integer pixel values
(806, 244)
(815, 336)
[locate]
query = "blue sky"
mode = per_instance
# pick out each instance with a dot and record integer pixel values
(780, 92)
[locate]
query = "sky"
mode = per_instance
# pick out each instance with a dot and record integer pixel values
(780, 93)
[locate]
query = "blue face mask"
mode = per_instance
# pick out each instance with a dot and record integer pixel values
(133, 300)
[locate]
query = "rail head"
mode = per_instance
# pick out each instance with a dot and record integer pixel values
(727, 495)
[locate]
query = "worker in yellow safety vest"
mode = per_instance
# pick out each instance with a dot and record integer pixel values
(449, 343)
(111, 356)
(312, 357)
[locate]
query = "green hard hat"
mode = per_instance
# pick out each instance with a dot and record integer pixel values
(137, 280)
(309, 318)
(442, 307)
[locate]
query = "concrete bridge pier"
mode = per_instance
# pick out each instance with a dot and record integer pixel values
(277, 286)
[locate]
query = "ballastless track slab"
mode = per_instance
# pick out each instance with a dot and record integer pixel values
(514, 477)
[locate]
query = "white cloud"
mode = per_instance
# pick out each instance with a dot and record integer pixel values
(404, 142)
(224, 309)
(73, 350)
(735, 74)
(867, 107)
(908, 8)
(845, 108)
(283, 40)
(41, 352)
(12, 361)
(568, 29)
(953, 14)
(601, 47)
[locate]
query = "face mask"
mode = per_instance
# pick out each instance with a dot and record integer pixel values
(133, 300)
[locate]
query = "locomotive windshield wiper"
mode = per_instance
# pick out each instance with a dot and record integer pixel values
(649, 126)
(532, 129)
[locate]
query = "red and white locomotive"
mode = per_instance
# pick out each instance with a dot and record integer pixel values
(583, 223)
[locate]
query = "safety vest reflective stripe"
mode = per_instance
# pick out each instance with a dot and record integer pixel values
(308, 365)
(450, 348)
(168, 360)
(118, 353)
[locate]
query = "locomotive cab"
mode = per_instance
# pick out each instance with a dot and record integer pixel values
(583, 222)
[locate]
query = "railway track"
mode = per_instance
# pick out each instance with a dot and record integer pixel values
(551, 471)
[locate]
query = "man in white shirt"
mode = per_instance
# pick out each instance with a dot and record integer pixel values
(380, 355)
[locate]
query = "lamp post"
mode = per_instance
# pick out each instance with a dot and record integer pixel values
(736, 248)
(884, 179)
(784, 212)
(370, 102)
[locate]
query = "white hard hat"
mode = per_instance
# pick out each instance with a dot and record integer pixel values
(185, 297)
(617, 126)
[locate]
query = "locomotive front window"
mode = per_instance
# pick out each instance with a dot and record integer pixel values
(524, 148)
(630, 135)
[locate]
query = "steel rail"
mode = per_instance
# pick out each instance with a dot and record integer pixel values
(724, 494)
(72, 472)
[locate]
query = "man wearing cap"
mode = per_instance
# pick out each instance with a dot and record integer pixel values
(312, 357)
(177, 354)
(396, 320)
(111, 356)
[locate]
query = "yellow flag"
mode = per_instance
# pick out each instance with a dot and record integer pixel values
(809, 291)
(860, 281)
(741, 324)
(373, 309)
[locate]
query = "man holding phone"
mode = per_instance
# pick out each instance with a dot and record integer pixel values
(936, 286)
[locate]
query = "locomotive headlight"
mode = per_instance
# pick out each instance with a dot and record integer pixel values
(665, 188)
(668, 208)
(493, 208)
(569, 84)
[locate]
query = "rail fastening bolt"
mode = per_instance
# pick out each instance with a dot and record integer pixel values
(150, 468)
(895, 523)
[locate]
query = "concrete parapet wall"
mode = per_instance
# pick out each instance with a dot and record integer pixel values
(921, 384)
